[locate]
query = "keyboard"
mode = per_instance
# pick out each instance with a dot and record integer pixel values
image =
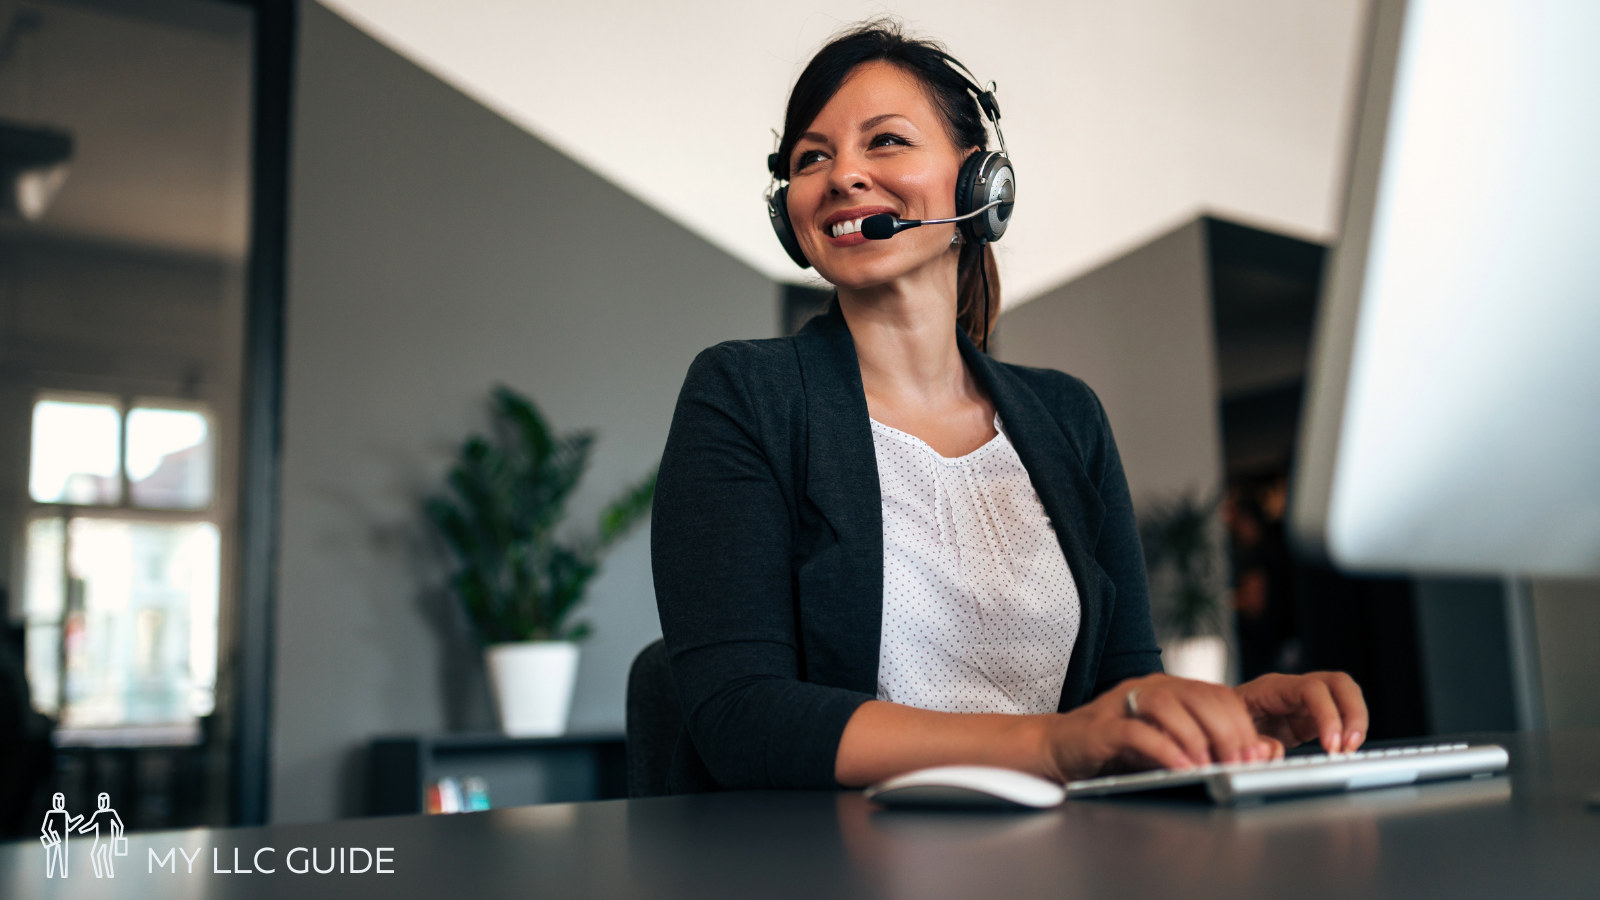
(1309, 774)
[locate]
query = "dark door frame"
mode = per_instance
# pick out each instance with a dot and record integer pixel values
(261, 416)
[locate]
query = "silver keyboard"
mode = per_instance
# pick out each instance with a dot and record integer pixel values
(1310, 774)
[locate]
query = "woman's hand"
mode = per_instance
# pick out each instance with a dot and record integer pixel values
(1180, 724)
(1293, 709)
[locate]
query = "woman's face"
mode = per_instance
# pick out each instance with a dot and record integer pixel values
(879, 146)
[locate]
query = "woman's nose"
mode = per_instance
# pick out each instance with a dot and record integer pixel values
(850, 173)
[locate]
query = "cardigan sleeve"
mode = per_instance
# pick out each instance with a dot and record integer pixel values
(1131, 649)
(721, 552)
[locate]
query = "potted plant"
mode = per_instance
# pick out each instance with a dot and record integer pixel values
(1181, 556)
(518, 582)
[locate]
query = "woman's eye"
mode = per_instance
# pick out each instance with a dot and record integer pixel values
(805, 159)
(888, 139)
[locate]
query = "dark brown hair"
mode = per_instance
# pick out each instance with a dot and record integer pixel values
(881, 40)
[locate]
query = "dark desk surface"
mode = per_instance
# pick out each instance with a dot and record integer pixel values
(1527, 835)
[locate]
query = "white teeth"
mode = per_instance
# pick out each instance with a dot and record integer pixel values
(849, 226)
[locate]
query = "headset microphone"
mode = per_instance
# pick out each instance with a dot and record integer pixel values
(883, 226)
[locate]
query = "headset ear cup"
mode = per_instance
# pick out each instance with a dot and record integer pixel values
(1000, 184)
(778, 213)
(983, 178)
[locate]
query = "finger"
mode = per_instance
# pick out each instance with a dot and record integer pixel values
(1150, 744)
(1227, 723)
(1352, 706)
(1165, 711)
(1269, 748)
(1316, 701)
(1278, 705)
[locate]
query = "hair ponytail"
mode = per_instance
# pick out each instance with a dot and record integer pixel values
(977, 302)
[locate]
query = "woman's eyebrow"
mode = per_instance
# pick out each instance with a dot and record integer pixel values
(875, 121)
(869, 124)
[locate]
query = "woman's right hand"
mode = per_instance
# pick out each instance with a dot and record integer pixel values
(1180, 724)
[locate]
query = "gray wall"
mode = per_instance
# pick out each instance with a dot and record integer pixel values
(1139, 331)
(434, 250)
(1566, 616)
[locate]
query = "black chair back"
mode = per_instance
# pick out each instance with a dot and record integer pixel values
(654, 722)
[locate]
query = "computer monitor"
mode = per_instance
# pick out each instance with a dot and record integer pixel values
(1452, 416)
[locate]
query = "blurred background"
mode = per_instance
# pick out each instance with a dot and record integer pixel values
(262, 262)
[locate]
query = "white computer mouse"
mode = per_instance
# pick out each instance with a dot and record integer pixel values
(967, 786)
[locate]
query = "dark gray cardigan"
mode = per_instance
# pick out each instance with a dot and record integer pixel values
(767, 548)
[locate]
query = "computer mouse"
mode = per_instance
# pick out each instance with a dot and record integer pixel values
(982, 787)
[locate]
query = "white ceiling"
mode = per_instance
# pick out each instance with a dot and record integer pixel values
(1123, 117)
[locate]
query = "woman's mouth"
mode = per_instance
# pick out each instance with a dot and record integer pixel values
(844, 227)
(848, 226)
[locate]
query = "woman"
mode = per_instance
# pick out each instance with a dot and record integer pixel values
(875, 548)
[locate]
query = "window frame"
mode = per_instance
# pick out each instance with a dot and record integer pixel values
(212, 513)
(125, 404)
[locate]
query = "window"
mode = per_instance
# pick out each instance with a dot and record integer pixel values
(76, 446)
(122, 562)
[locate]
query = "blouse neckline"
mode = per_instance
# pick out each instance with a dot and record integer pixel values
(965, 459)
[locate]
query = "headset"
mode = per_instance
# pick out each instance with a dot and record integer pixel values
(986, 189)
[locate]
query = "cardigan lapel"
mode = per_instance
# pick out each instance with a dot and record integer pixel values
(1069, 497)
(842, 613)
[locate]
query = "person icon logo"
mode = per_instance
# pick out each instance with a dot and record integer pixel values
(103, 823)
(112, 843)
(57, 828)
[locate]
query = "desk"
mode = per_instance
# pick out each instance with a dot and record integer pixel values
(1527, 835)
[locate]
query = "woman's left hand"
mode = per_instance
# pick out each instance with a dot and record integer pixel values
(1293, 709)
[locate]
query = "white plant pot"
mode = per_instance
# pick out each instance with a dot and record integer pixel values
(1200, 658)
(533, 682)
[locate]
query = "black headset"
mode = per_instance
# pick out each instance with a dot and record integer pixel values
(986, 179)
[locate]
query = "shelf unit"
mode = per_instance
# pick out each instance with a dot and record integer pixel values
(518, 771)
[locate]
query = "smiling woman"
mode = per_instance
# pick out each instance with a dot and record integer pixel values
(875, 548)
(904, 96)
(856, 161)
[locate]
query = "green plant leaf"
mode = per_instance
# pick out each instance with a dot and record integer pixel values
(519, 415)
(457, 532)
(1180, 557)
(508, 494)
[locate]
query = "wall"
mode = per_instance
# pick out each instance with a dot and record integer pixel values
(434, 250)
(1139, 331)
(1566, 616)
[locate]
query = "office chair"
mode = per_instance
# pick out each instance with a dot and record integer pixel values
(654, 722)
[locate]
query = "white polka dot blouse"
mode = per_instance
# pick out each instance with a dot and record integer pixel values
(980, 611)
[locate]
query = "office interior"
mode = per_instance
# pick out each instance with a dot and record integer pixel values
(326, 239)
